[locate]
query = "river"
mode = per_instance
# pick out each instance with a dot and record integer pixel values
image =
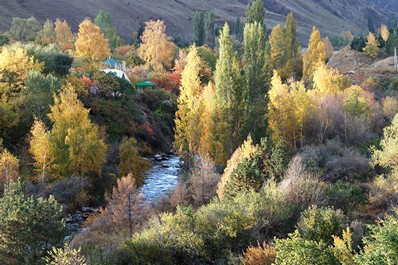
(160, 180)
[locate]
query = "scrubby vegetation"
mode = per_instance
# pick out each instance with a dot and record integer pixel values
(284, 159)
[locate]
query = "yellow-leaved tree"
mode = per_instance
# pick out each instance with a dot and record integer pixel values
(208, 99)
(372, 46)
(280, 110)
(315, 54)
(63, 34)
(15, 64)
(40, 148)
(9, 168)
(91, 43)
(329, 81)
(187, 130)
(384, 32)
(156, 49)
(289, 109)
(130, 160)
(76, 145)
(246, 150)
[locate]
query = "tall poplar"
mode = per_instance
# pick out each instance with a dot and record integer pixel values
(187, 117)
(228, 81)
(209, 29)
(315, 54)
(255, 12)
(199, 28)
(256, 82)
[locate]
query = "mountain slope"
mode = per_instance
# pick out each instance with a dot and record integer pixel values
(332, 17)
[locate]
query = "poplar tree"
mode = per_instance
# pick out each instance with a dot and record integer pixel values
(199, 28)
(104, 21)
(255, 12)
(40, 148)
(228, 81)
(187, 132)
(285, 49)
(293, 67)
(278, 44)
(315, 54)
(209, 27)
(239, 27)
(255, 92)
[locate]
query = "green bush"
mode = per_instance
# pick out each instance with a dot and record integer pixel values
(320, 224)
(381, 246)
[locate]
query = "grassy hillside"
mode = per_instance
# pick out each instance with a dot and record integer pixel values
(331, 17)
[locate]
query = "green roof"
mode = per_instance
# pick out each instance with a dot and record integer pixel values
(145, 84)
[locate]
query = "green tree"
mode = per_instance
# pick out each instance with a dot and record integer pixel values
(278, 43)
(386, 156)
(24, 29)
(392, 43)
(293, 67)
(40, 91)
(312, 242)
(28, 226)
(199, 28)
(47, 34)
(358, 43)
(256, 88)
(228, 81)
(130, 160)
(315, 54)
(320, 224)
(255, 12)
(249, 174)
(104, 21)
(209, 28)
(76, 145)
(239, 28)
(295, 250)
(371, 25)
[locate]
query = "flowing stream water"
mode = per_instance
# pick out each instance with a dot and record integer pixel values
(160, 180)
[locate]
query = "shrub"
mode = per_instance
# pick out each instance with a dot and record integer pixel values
(301, 187)
(333, 161)
(381, 246)
(260, 255)
(346, 196)
(296, 250)
(320, 224)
